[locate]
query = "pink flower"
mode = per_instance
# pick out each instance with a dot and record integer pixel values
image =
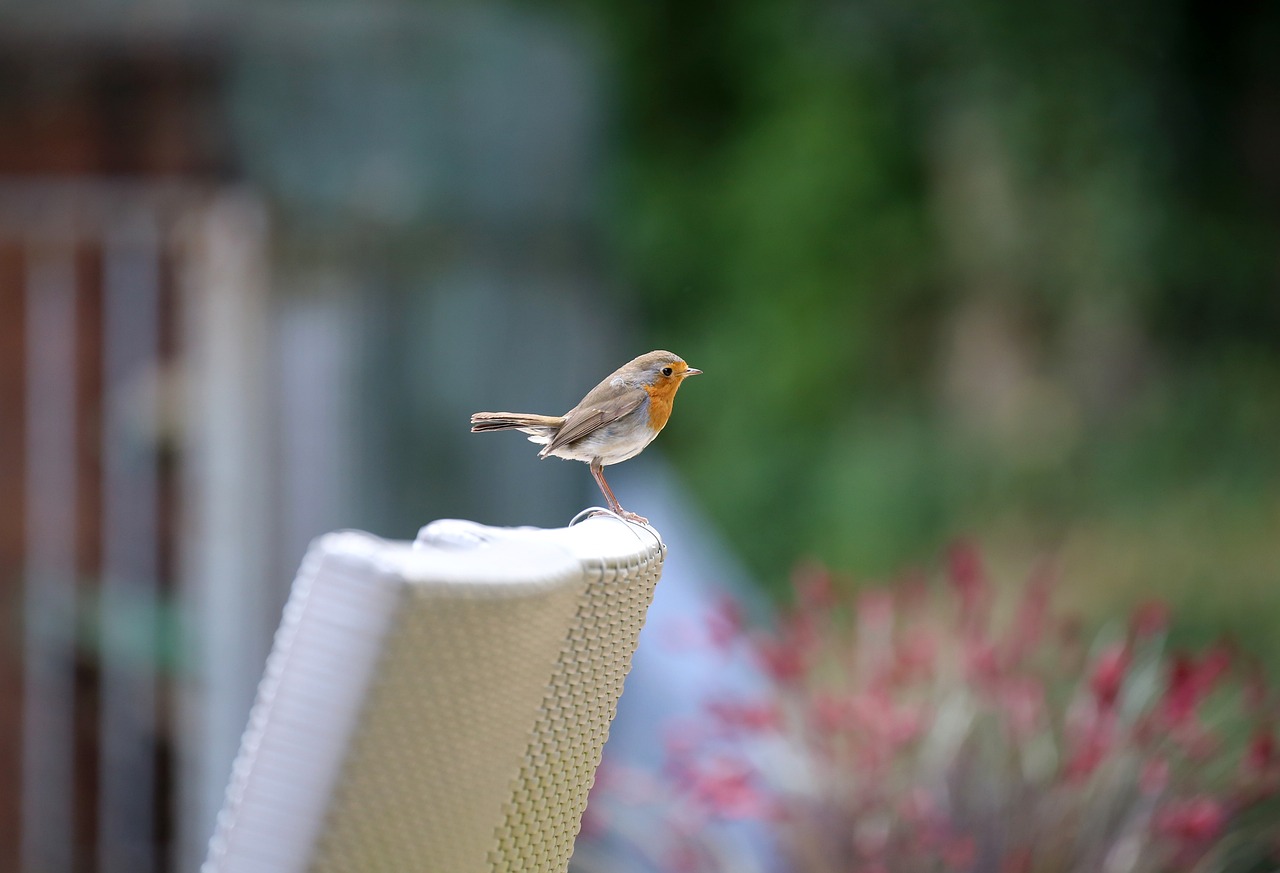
(1108, 674)
(1215, 664)
(981, 660)
(1256, 692)
(1190, 682)
(959, 853)
(874, 632)
(915, 657)
(884, 720)
(813, 586)
(1183, 694)
(786, 654)
(1023, 703)
(859, 682)
(1261, 753)
(683, 634)
(829, 713)
(1155, 776)
(875, 612)
(871, 841)
(965, 572)
(918, 807)
(754, 717)
(783, 661)
(683, 858)
(684, 737)
(725, 787)
(1019, 860)
(595, 821)
(1193, 820)
(1091, 740)
(724, 624)
(1031, 623)
(1150, 619)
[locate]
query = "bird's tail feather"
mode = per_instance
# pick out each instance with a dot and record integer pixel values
(524, 421)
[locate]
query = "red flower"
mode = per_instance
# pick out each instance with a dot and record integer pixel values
(1031, 623)
(813, 586)
(785, 654)
(859, 685)
(783, 661)
(1190, 682)
(965, 572)
(914, 658)
(1261, 753)
(1108, 674)
(1150, 619)
(1193, 820)
(981, 660)
(875, 612)
(883, 719)
(726, 788)
(750, 717)
(724, 624)
(1183, 695)
(1215, 665)
(683, 738)
(1094, 738)
(829, 713)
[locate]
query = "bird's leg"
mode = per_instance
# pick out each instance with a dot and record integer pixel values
(597, 471)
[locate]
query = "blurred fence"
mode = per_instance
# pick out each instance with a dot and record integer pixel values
(131, 313)
(186, 400)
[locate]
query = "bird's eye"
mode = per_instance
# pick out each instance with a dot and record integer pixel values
(666, 371)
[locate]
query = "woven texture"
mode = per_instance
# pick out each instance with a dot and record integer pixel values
(440, 709)
(544, 813)
(326, 648)
(425, 777)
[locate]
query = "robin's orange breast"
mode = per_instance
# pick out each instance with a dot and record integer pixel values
(662, 395)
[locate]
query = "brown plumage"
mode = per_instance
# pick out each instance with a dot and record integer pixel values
(614, 422)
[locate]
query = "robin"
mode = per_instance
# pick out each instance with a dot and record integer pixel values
(614, 422)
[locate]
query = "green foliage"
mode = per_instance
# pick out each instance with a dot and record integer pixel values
(998, 267)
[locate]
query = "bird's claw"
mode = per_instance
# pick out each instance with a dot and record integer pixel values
(620, 513)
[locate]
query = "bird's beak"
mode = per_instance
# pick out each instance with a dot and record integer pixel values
(692, 371)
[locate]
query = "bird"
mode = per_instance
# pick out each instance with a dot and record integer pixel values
(615, 421)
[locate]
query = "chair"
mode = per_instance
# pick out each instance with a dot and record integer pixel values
(441, 705)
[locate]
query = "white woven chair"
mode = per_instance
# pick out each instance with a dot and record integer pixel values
(438, 706)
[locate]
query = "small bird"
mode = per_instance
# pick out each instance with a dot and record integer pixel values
(614, 422)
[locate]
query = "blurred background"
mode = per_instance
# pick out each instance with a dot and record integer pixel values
(1001, 270)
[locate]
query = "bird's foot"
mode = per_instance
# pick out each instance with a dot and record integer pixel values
(619, 512)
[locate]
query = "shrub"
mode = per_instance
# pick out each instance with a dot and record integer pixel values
(940, 727)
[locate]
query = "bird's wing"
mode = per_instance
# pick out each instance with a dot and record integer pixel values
(587, 418)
